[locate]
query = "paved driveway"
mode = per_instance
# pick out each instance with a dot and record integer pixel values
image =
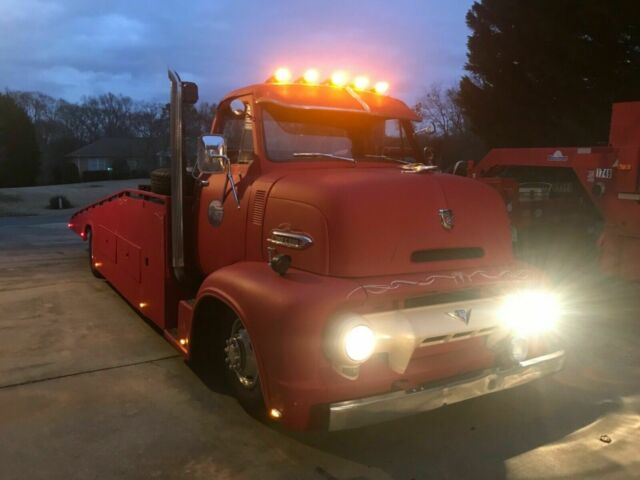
(90, 390)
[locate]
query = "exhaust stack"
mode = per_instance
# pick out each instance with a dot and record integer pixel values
(181, 93)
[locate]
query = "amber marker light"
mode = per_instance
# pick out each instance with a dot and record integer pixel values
(311, 76)
(282, 75)
(339, 78)
(184, 341)
(97, 264)
(142, 304)
(361, 82)
(381, 87)
(275, 413)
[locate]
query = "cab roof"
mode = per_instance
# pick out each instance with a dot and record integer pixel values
(326, 97)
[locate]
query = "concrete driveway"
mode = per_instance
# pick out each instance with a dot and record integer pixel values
(89, 390)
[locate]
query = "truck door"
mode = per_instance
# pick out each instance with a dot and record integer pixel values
(223, 244)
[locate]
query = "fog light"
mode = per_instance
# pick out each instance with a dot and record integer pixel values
(519, 349)
(359, 343)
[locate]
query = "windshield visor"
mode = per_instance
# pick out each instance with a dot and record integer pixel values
(295, 134)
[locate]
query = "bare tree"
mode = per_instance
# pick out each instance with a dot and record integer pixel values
(438, 108)
(446, 131)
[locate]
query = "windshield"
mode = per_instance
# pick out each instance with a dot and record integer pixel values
(294, 134)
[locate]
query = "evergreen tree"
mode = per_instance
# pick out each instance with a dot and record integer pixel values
(19, 153)
(545, 72)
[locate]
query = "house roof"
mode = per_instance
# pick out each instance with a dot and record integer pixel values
(110, 147)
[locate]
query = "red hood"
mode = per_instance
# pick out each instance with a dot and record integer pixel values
(371, 221)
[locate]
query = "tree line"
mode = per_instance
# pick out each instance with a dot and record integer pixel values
(51, 128)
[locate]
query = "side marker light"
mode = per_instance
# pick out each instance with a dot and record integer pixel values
(275, 413)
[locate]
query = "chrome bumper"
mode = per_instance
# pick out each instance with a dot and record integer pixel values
(380, 408)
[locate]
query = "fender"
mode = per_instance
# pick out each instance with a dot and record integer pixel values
(285, 317)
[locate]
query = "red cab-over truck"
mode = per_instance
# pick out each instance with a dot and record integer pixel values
(309, 256)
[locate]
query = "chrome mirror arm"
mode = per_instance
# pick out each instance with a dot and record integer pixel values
(229, 181)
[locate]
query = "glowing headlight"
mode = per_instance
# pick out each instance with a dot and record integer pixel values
(359, 343)
(530, 312)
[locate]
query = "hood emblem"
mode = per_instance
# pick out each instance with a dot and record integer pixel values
(447, 219)
(463, 315)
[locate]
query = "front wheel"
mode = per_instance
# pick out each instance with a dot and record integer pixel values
(242, 368)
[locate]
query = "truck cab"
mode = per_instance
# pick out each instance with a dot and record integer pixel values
(312, 258)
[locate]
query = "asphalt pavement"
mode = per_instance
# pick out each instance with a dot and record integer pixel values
(88, 390)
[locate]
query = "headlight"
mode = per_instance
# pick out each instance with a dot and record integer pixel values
(530, 312)
(359, 343)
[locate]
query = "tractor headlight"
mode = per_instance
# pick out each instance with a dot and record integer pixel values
(530, 312)
(359, 343)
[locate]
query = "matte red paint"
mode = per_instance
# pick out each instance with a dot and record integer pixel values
(366, 219)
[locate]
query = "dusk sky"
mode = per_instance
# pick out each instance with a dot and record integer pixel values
(72, 48)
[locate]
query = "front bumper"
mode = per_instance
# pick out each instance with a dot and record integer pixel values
(388, 406)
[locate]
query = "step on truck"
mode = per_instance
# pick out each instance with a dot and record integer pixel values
(311, 257)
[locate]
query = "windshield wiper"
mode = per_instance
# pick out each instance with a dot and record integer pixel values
(325, 155)
(384, 157)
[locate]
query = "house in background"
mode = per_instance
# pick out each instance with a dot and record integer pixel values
(116, 158)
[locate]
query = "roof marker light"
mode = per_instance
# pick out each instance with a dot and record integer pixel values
(311, 76)
(282, 75)
(339, 78)
(381, 87)
(361, 82)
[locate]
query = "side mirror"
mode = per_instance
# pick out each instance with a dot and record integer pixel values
(212, 159)
(212, 155)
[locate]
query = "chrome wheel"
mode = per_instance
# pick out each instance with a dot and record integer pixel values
(240, 357)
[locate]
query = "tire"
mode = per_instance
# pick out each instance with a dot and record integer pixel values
(161, 181)
(94, 270)
(242, 369)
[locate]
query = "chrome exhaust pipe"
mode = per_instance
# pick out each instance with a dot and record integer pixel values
(177, 172)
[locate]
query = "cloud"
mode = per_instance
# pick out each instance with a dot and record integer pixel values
(76, 48)
(111, 31)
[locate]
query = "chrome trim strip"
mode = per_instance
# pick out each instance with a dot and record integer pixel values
(305, 240)
(389, 406)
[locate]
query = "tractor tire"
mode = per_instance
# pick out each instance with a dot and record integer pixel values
(161, 181)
